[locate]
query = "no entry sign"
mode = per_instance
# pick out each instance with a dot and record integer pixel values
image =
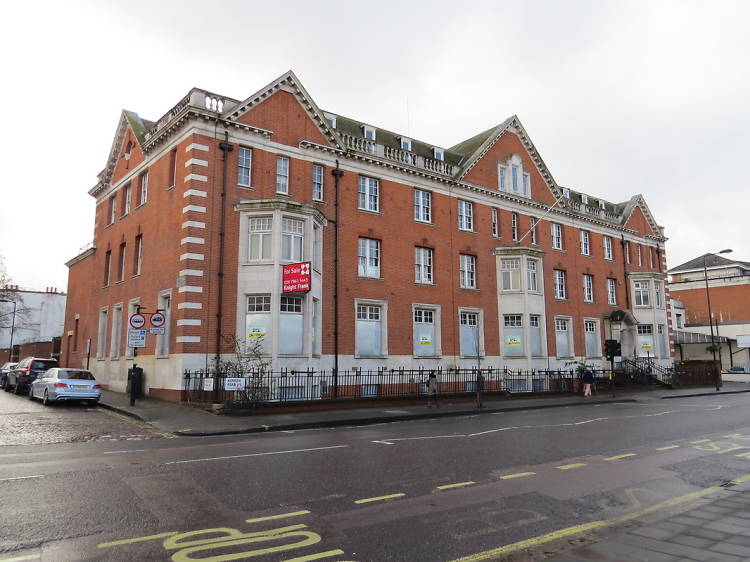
(137, 321)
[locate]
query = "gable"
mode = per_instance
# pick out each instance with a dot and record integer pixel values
(484, 171)
(283, 114)
(129, 155)
(637, 221)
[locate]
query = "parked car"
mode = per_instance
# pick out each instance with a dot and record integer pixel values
(738, 369)
(65, 384)
(22, 375)
(4, 373)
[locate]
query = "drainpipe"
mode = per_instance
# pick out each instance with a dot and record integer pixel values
(337, 174)
(226, 148)
(627, 287)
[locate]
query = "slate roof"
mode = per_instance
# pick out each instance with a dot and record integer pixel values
(712, 260)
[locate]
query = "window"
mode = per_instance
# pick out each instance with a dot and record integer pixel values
(531, 279)
(562, 337)
(662, 340)
(315, 332)
(588, 288)
(244, 166)
(143, 188)
(258, 323)
(101, 336)
(510, 274)
(501, 172)
(584, 199)
(114, 348)
(425, 344)
(514, 225)
(422, 205)
(126, 200)
(292, 239)
(641, 290)
(163, 341)
(591, 334)
(557, 236)
(438, 154)
(317, 182)
(465, 215)
(526, 184)
(645, 345)
(495, 223)
(611, 291)
(468, 265)
(535, 335)
(651, 257)
(107, 267)
(137, 259)
(608, 253)
(282, 175)
(657, 294)
(470, 334)
(291, 325)
(638, 253)
(317, 247)
(405, 143)
(423, 265)
(532, 228)
(369, 134)
(514, 178)
(172, 168)
(112, 209)
(513, 335)
(585, 243)
(627, 252)
(370, 332)
(678, 321)
(560, 292)
(259, 247)
(369, 194)
(369, 257)
(121, 263)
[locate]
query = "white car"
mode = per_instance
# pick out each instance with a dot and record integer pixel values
(65, 384)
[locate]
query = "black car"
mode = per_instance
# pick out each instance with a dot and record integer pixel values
(19, 378)
(4, 373)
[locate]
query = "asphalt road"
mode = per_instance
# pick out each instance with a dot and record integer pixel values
(431, 490)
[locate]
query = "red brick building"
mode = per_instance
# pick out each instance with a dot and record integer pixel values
(421, 255)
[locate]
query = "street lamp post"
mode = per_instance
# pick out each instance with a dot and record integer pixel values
(12, 328)
(710, 315)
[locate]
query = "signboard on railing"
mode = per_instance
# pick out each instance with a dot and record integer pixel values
(234, 383)
(295, 278)
(743, 340)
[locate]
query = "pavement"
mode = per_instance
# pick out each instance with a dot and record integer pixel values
(196, 421)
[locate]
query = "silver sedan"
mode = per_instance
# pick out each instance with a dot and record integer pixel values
(65, 384)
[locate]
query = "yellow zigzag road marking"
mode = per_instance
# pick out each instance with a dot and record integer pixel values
(569, 466)
(458, 485)
(517, 475)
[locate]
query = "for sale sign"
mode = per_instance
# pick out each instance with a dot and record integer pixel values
(295, 278)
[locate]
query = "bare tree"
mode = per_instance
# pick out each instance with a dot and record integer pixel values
(8, 292)
(248, 362)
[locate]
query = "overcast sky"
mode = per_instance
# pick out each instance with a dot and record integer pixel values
(619, 97)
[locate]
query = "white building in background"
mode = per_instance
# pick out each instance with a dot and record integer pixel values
(40, 316)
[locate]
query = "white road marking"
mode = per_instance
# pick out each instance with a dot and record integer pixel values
(22, 477)
(123, 452)
(259, 454)
(391, 441)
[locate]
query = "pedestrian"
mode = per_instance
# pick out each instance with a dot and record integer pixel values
(588, 380)
(432, 389)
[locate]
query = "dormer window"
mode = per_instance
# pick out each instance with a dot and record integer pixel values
(405, 143)
(566, 193)
(331, 120)
(584, 199)
(368, 132)
(438, 154)
(602, 205)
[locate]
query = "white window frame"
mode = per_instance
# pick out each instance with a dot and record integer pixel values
(639, 254)
(317, 182)
(465, 215)
(162, 347)
(642, 294)
(369, 194)
(405, 143)
(260, 228)
(112, 209)
(424, 265)
(464, 319)
(317, 253)
(438, 154)
(101, 333)
(588, 288)
(510, 274)
(608, 248)
(585, 242)
(587, 324)
(658, 300)
(495, 222)
(138, 255)
(418, 316)
(282, 175)
(422, 205)
(526, 184)
(383, 319)
(244, 166)
(467, 271)
(533, 223)
(611, 291)
(502, 172)
(126, 196)
(294, 250)
(561, 291)
(143, 188)
(557, 235)
(368, 254)
(116, 337)
(564, 324)
(532, 275)
(514, 226)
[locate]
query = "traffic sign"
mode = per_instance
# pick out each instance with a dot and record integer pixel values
(157, 319)
(137, 321)
(157, 331)
(137, 338)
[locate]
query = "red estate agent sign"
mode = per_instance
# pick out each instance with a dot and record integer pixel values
(295, 278)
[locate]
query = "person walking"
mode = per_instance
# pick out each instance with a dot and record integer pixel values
(432, 390)
(588, 380)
